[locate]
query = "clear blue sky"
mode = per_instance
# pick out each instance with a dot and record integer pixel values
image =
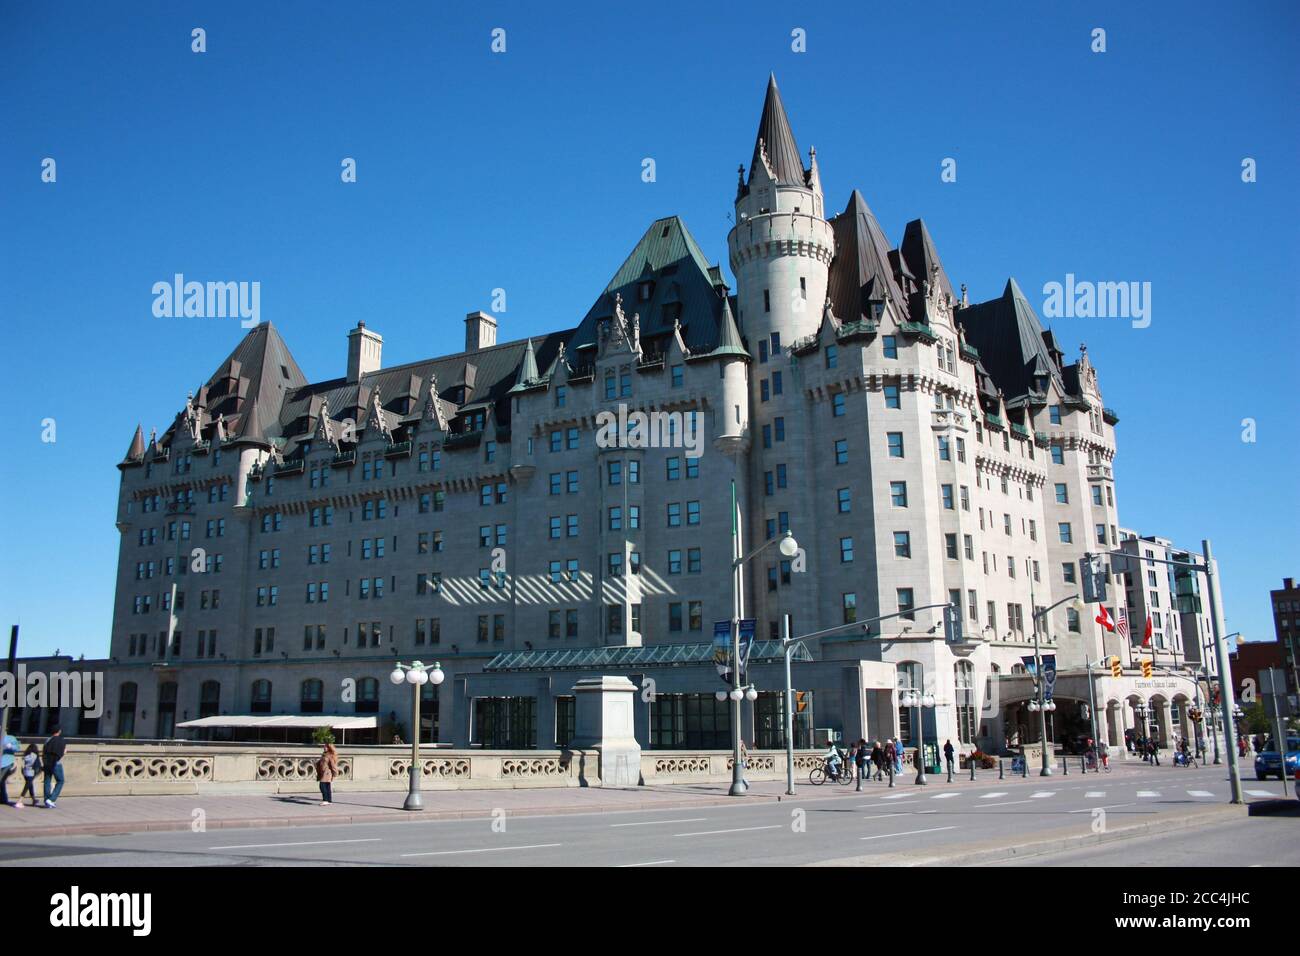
(522, 171)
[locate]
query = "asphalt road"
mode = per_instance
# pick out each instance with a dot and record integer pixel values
(907, 825)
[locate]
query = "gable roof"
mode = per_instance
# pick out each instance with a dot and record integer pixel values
(1010, 341)
(861, 270)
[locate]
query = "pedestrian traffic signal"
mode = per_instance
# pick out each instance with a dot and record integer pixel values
(800, 701)
(1116, 668)
(1146, 668)
(952, 624)
(1092, 578)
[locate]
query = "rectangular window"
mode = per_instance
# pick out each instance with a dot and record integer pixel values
(843, 500)
(902, 544)
(895, 444)
(906, 603)
(846, 550)
(841, 451)
(898, 493)
(890, 345)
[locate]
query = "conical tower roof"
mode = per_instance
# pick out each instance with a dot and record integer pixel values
(136, 452)
(528, 375)
(729, 340)
(777, 139)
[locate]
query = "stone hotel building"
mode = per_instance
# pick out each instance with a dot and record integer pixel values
(920, 447)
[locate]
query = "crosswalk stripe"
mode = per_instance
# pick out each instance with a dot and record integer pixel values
(1043, 793)
(1261, 793)
(1200, 793)
(990, 796)
(896, 796)
(1148, 793)
(944, 796)
(1095, 793)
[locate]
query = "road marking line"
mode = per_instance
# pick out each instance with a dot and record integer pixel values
(259, 846)
(1200, 793)
(896, 796)
(944, 796)
(1112, 806)
(486, 849)
(1094, 794)
(647, 863)
(990, 796)
(653, 823)
(1009, 803)
(882, 816)
(774, 826)
(1041, 794)
(885, 836)
(1148, 793)
(874, 805)
(1263, 793)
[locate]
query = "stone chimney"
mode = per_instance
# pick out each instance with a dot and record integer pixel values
(365, 351)
(480, 331)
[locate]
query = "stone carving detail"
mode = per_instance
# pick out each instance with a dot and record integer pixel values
(755, 762)
(681, 765)
(457, 767)
(155, 768)
(534, 767)
(807, 762)
(297, 768)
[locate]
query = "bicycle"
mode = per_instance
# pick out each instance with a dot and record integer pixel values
(820, 775)
(1185, 760)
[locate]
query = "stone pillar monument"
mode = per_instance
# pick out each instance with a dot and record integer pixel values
(603, 716)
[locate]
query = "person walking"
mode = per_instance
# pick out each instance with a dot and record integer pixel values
(1154, 747)
(327, 765)
(878, 759)
(7, 752)
(744, 762)
(31, 764)
(891, 759)
(898, 755)
(947, 755)
(52, 765)
(862, 759)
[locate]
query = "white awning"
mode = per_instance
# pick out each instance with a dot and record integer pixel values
(284, 720)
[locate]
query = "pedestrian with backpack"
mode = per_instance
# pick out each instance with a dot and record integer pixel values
(878, 759)
(891, 759)
(31, 764)
(862, 759)
(947, 755)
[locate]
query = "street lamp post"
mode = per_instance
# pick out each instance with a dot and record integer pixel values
(417, 674)
(789, 548)
(1040, 704)
(920, 701)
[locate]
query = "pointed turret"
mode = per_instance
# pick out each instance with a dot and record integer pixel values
(135, 454)
(729, 340)
(528, 375)
(775, 142)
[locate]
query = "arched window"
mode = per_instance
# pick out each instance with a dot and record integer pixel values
(261, 699)
(964, 679)
(367, 696)
(910, 677)
(209, 698)
(312, 697)
(126, 696)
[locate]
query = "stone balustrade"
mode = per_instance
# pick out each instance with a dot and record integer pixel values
(117, 769)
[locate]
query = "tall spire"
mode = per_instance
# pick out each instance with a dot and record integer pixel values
(729, 340)
(775, 140)
(527, 369)
(136, 451)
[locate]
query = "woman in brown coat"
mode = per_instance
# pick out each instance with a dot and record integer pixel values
(326, 767)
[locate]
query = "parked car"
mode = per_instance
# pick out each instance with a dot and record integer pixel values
(1268, 762)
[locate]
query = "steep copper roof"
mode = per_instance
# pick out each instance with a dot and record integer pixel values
(861, 271)
(921, 257)
(1010, 341)
(777, 139)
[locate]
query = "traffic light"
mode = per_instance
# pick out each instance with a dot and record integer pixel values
(800, 701)
(1146, 668)
(1092, 578)
(1116, 668)
(952, 624)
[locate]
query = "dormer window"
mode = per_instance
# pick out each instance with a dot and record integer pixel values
(643, 291)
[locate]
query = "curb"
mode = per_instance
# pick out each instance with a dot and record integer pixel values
(1278, 807)
(1040, 847)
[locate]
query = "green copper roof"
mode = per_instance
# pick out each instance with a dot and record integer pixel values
(729, 340)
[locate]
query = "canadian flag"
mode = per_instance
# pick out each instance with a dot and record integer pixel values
(1146, 635)
(1104, 619)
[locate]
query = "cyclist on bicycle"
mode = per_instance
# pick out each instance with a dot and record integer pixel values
(832, 760)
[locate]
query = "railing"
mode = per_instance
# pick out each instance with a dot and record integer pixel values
(994, 421)
(860, 328)
(401, 449)
(970, 352)
(1099, 471)
(1109, 417)
(290, 468)
(463, 439)
(1042, 439)
(1020, 430)
(162, 454)
(344, 459)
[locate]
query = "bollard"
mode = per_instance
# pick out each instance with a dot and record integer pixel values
(1065, 766)
(1083, 765)
(1024, 767)
(1000, 772)
(949, 763)
(971, 758)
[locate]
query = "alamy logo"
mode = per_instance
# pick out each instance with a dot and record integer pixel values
(1102, 300)
(208, 300)
(83, 690)
(624, 429)
(75, 909)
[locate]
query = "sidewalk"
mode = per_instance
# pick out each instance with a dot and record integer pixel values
(102, 815)
(133, 814)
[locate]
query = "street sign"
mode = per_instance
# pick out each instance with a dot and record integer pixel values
(1092, 578)
(952, 624)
